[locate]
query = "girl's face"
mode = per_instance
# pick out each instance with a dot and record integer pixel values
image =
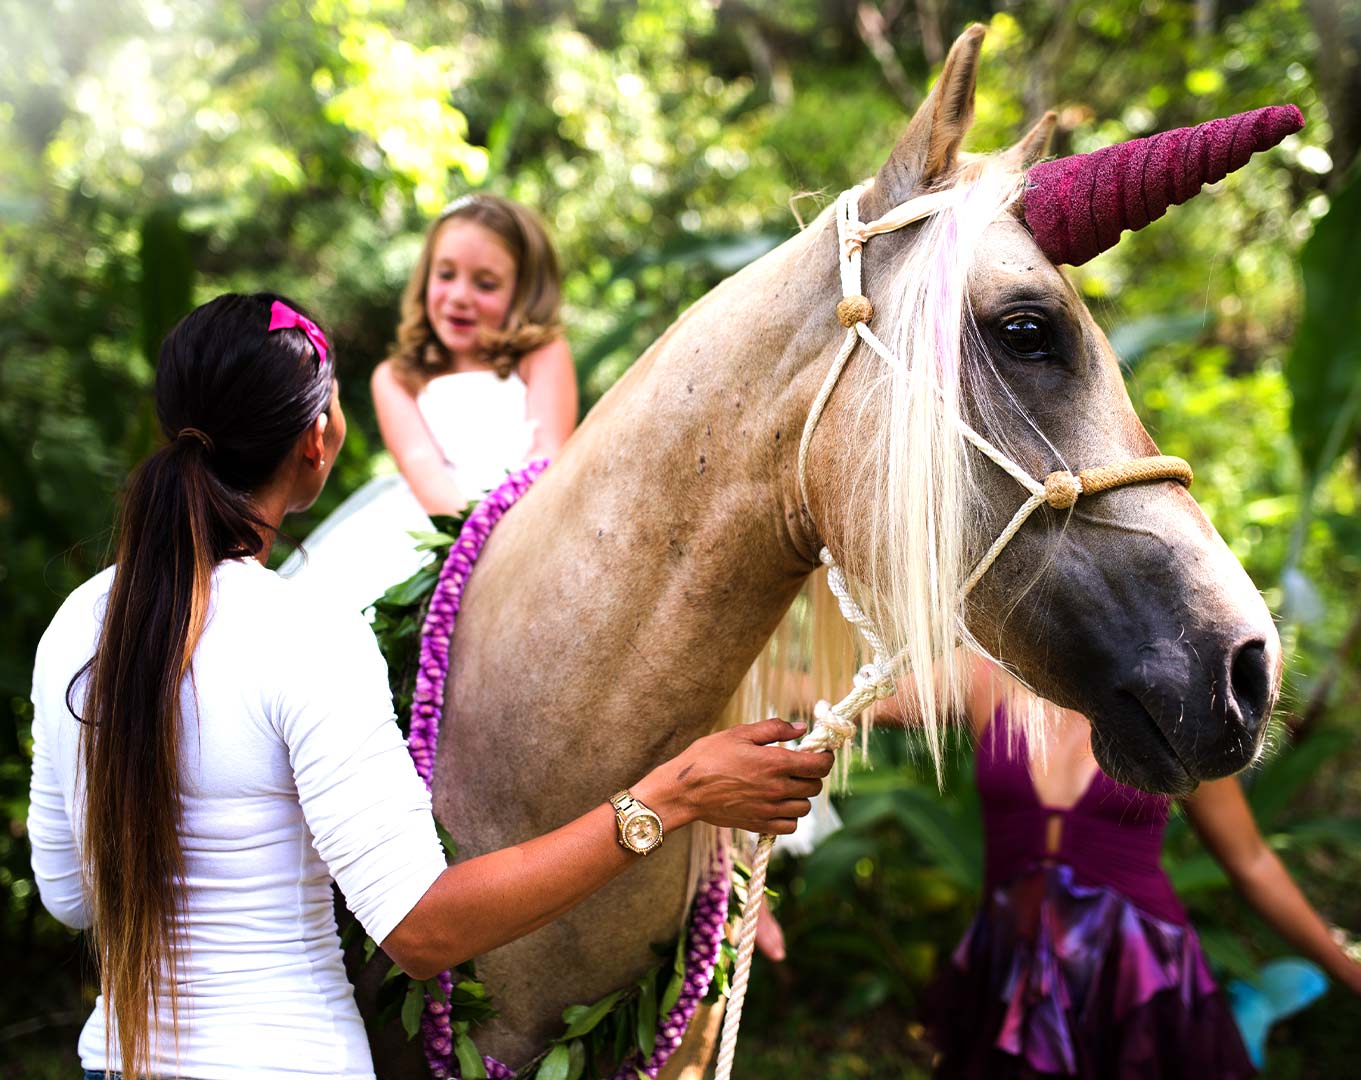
(470, 287)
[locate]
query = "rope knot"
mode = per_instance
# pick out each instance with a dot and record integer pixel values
(878, 678)
(854, 309)
(1061, 489)
(830, 731)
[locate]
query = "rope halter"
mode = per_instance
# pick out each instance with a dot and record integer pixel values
(1060, 489)
(835, 725)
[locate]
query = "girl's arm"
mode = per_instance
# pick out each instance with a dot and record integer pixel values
(412, 446)
(551, 400)
(1222, 818)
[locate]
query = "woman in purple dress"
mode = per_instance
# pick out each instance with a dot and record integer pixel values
(1082, 962)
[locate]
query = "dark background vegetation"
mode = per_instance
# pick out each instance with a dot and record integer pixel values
(157, 152)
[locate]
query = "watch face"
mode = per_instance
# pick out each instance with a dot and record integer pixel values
(642, 832)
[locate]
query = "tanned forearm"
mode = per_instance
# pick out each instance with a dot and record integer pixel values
(478, 905)
(1267, 885)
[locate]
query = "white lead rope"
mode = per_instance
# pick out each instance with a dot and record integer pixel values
(835, 725)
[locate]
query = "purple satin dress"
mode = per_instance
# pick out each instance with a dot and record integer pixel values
(1082, 961)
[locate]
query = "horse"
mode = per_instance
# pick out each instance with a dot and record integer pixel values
(621, 603)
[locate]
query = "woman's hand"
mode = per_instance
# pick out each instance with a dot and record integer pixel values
(735, 779)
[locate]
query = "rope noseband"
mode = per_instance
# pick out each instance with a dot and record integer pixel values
(835, 725)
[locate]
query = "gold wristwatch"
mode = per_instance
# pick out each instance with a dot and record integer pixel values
(640, 830)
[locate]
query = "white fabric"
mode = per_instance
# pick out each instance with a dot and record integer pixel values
(364, 547)
(812, 829)
(294, 772)
(480, 422)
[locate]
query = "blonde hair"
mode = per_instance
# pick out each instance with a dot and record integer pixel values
(913, 524)
(532, 321)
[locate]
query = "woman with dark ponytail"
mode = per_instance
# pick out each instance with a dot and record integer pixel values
(212, 745)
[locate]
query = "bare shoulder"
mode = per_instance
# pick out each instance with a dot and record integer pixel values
(390, 388)
(983, 694)
(384, 377)
(555, 358)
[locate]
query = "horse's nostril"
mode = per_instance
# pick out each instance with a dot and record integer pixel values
(1250, 683)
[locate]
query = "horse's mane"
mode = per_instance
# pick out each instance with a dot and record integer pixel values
(909, 512)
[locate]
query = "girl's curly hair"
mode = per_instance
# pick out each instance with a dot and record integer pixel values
(532, 321)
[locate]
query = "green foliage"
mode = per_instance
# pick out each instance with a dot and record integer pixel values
(157, 153)
(1324, 367)
(399, 614)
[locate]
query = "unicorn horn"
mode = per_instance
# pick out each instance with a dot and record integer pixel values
(1077, 206)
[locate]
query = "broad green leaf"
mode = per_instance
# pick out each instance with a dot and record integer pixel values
(582, 1018)
(431, 541)
(469, 1058)
(624, 1024)
(435, 990)
(411, 591)
(647, 1014)
(954, 846)
(412, 1006)
(672, 993)
(474, 990)
(576, 1053)
(557, 1065)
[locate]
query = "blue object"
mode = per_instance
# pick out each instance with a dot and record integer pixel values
(1279, 989)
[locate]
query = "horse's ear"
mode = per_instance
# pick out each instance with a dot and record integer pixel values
(1034, 145)
(929, 145)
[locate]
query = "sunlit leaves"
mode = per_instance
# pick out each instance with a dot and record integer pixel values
(400, 96)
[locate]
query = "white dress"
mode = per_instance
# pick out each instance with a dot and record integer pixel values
(479, 422)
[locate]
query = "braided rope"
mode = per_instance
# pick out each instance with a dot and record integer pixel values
(746, 943)
(835, 725)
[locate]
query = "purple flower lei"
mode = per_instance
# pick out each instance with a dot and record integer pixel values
(710, 909)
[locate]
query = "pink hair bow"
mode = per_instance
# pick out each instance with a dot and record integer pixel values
(283, 317)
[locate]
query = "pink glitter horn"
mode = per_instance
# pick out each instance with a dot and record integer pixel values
(1078, 206)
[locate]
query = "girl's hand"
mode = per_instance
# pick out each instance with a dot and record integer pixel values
(735, 779)
(1350, 976)
(769, 934)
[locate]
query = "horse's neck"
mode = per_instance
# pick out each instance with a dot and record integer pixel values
(642, 575)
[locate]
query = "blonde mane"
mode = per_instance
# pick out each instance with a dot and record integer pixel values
(911, 519)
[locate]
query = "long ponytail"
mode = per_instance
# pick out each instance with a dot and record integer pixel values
(232, 399)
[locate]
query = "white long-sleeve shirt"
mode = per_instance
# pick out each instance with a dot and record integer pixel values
(293, 773)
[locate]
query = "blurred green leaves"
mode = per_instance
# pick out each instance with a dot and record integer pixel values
(156, 152)
(1324, 366)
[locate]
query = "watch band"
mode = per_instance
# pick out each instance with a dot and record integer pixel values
(627, 809)
(624, 803)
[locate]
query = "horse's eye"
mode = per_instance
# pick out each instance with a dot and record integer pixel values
(1025, 335)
